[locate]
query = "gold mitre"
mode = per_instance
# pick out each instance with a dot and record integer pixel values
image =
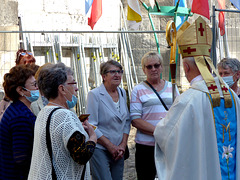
(195, 40)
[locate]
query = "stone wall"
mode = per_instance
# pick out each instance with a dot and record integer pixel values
(47, 15)
(142, 43)
(8, 41)
(69, 15)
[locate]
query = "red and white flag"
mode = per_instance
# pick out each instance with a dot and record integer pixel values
(96, 13)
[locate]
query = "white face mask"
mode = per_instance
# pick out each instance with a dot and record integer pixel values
(228, 80)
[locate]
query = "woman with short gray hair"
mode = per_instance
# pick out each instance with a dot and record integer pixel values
(108, 111)
(229, 70)
(72, 142)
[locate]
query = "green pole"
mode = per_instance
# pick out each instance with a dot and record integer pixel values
(155, 34)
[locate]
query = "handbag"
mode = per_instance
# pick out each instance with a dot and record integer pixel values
(126, 154)
(154, 90)
(49, 147)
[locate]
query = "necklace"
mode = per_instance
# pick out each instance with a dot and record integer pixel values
(56, 104)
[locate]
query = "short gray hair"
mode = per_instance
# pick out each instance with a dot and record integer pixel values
(149, 55)
(50, 78)
(232, 63)
(104, 67)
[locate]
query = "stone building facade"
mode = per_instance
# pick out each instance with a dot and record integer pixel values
(69, 15)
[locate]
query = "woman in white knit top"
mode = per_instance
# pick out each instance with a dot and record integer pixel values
(73, 142)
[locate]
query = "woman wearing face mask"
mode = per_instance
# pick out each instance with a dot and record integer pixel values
(17, 124)
(229, 70)
(72, 142)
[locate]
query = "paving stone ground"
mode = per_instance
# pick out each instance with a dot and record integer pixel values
(129, 164)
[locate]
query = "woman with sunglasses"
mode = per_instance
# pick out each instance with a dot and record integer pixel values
(24, 57)
(108, 111)
(146, 110)
(17, 124)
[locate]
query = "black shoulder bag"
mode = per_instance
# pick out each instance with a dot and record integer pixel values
(49, 147)
(154, 90)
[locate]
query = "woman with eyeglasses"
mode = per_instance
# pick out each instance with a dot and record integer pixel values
(146, 110)
(108, 111)
(22, 57)
(17, 124)
(72, 142)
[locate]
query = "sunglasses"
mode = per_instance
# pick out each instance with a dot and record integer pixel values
(33, 84)
(156, 66)
(24, 53)
(114, 72)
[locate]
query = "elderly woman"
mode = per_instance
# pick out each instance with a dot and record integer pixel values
(108, 111)
(17, 124)
(70, 143)
(229, 70)
(146, 110)
(22, 57)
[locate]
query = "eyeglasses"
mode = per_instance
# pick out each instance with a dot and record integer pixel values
(156, 66)
(72, 83)
(34, 84)
(114, 72)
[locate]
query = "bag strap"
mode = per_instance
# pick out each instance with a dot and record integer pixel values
(49, 144)
(154, 90)
(121, 91)
(49, 147)
(83, 173)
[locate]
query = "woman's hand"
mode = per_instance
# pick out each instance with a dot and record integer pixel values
(89, 129)
(122, 147)
(120, 154)
(116, 151)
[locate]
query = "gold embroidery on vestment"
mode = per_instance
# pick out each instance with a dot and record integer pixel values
(227, 129)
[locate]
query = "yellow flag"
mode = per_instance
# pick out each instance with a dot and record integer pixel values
(134, 12)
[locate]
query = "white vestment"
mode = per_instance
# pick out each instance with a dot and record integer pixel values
(186, 146)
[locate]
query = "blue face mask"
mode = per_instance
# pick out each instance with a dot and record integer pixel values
(72, 103)
(228, 80)
(34, 95)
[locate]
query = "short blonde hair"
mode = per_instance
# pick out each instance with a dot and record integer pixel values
(149, 55)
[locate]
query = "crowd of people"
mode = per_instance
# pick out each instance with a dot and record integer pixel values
(195, 136)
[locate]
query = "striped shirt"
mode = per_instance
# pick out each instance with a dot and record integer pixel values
(16, 141)
(146, 105)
